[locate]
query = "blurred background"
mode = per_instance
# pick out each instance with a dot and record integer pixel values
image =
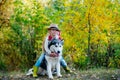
(90, 28)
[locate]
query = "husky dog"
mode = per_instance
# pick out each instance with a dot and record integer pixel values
(56, 46)
(51, 63)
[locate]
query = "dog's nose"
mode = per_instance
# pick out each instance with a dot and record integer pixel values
(58, 52)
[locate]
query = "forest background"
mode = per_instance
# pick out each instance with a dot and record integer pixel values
(90, 29)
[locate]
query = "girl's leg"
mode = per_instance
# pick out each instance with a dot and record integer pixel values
(62, 62)
(37, 64)
(64, 65)
(40, 59)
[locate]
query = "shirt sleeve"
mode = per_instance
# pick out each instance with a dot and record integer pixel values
(46, 46)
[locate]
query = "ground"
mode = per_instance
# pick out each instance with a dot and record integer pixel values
(91, 74)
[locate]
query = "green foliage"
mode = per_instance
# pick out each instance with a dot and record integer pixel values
(8, 50)
(2, 62)
(28, 25)
(90, 29)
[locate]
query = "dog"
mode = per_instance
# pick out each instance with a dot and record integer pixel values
(51, 63)
(56, 46)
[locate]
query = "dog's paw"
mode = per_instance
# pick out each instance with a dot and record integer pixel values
(51, 79)
(59, 76)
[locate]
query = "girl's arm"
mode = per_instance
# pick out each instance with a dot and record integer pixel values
(46, 46)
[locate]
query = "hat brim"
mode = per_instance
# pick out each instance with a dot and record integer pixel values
(53, 28)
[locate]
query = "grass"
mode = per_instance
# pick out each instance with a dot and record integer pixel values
(100, 74)
(91, 74)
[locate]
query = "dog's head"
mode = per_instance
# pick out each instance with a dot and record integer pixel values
(56, 45)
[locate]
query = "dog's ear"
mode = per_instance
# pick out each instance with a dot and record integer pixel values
(62, 41)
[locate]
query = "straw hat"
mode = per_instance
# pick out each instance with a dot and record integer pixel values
(53, 27)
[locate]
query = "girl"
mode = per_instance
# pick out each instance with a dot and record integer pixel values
(53, 32)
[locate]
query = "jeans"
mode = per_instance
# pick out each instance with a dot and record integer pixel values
(42, 57)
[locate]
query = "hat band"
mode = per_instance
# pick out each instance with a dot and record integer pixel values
(53, 28)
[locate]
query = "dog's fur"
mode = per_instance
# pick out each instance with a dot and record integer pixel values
(55, 46)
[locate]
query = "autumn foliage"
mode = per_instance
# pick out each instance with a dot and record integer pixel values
(90, 28)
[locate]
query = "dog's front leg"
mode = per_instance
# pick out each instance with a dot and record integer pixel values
(49, 67)
(58, 69)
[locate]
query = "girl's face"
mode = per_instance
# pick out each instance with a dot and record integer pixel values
(53, 32)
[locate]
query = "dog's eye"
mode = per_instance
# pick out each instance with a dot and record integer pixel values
(56, 46)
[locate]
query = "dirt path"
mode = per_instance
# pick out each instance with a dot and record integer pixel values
(93, 74)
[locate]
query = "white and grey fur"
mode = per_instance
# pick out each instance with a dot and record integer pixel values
(52, 62)
(56, 46)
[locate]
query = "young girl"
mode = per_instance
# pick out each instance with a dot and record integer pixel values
(53, 32)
